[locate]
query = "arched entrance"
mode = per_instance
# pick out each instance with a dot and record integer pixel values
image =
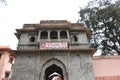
(51, 70)
(53, 66)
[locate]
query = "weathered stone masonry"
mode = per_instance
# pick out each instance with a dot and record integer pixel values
(71, 61)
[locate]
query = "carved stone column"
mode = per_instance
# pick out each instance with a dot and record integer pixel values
(58, 35)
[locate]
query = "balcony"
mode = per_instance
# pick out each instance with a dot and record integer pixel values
(54, 45)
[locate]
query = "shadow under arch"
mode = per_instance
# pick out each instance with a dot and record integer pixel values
(53, 63)
(53, 69)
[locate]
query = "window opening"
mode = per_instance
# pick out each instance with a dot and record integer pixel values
(7, 74)
(32, 39)
(44, 35)
(63, 35)
(53, 72)
(0, 55)
(75, 38)
(53, 35)
(11, 60)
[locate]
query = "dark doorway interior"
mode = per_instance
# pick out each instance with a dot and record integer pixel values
(51, 69)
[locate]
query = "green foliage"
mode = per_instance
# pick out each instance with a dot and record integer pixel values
(103, 18)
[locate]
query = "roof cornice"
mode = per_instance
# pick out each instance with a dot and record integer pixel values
(24, 51)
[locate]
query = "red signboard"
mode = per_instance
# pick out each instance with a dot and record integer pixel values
(54, 45)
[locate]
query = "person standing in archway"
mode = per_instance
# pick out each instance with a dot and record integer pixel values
(55, 76)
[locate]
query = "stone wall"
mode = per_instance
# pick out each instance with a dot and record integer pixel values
(32, 65)
(82, 43)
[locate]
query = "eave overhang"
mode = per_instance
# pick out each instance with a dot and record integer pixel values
(52, 24)
(24, 51)
(4, 48)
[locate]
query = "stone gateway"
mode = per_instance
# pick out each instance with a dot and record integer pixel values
(53, 50)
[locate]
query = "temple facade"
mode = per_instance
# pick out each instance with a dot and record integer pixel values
(53, 50)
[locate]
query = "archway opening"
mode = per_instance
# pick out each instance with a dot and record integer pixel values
(53, 35)
(44, 35)
(32, 39)
(63, 35)
(75, 39)
(51, 70)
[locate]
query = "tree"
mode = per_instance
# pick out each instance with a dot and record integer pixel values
(103, 18)
(3, 1)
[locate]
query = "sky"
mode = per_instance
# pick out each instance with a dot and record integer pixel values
(19, 12)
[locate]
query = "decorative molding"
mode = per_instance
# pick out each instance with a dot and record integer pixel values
(85, 51)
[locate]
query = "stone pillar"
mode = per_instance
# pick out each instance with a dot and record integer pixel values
(48, 34)
(39, 33)
(58, 35)
(68, 36)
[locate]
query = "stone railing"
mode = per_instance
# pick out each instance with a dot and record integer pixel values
(54, 44)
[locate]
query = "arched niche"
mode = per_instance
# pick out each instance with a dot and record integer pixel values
(32, 39)
(58, 66)
(44, 35)
(63, 35)
(53, 35)
(75, 38)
